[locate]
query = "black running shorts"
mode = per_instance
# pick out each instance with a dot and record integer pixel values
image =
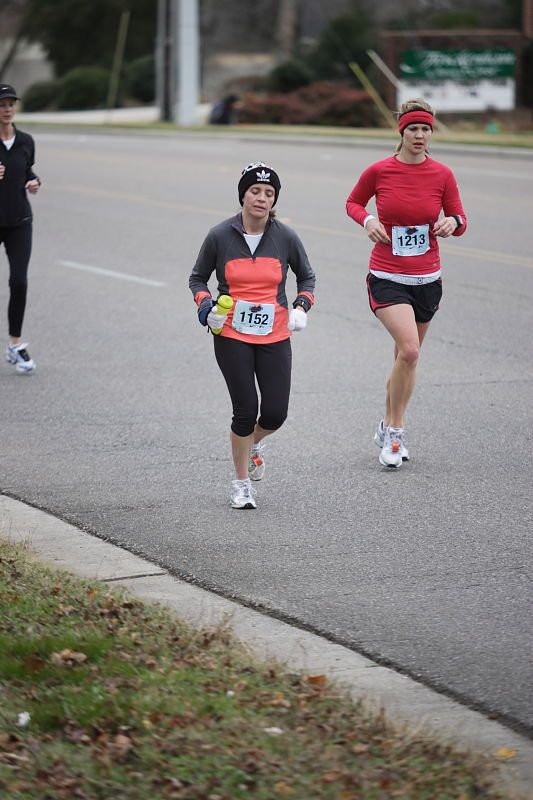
(424, 299)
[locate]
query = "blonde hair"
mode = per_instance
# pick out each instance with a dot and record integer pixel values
(416, 104)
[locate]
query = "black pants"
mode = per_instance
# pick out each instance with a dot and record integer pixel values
(17, 241)
(241, 363)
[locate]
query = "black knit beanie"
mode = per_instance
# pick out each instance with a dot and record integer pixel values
(258, 172)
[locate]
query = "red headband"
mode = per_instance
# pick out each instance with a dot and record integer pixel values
(410, 117)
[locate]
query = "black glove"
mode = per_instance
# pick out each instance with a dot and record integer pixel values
(302, 301)
(203, 310)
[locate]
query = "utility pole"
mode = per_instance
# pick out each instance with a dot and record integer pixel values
(527, 18)
(187, 62)
(165, 60)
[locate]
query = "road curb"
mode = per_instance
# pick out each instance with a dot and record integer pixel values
(405, 702)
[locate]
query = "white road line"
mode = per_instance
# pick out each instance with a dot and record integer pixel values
(110, 273)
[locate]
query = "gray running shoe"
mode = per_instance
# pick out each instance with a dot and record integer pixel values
(390, 454)
(18, 355)
(242, 494)
(379, 438)
(256, 464)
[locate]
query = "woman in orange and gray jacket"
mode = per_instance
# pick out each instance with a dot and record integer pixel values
(251, 254)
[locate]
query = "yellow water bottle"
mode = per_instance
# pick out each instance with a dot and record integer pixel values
(223, 305)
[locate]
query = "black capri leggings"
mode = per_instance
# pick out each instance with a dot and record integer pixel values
(241, 363)
(17, 241)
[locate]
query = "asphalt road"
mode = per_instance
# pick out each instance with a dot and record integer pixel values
(123, 429)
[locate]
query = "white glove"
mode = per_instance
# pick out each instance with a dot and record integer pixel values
(215, 321)
(297, 319)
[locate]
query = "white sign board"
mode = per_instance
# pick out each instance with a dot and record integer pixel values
(453, 96)
(460, 79)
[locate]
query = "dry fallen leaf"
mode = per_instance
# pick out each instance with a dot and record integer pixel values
(120, 746)
(67, 658)
(505, 752)
(283, 788)
(316, 680)
(34, 663)
(331, 776)
(279, 700)
(14, 757)
(66, 611)
(360, 748)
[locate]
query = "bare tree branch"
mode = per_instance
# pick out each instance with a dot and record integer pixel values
(16, 11)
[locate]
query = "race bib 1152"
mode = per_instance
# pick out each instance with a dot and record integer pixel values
(254, 318)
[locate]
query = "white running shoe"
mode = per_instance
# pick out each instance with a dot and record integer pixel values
(18, 355)
(242, 494)
(390, 454)
(379, 438)
(256, 464)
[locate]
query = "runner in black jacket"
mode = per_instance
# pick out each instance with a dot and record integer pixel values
(17, 156)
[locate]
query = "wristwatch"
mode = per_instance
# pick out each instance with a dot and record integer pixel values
(458, 219)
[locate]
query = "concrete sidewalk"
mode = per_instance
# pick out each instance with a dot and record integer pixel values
(112, 116)
(405, 702)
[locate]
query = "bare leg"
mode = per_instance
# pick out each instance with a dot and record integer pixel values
(408, 336)
(422, 328)
(241, 447)
(260, 433)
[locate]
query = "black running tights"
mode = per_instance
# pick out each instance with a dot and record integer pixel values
(241, 363)
(17, 241)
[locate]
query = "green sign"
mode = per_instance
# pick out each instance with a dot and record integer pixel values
(456, 65)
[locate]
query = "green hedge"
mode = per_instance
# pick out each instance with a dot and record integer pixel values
(84, 88)
(140, 79)
(41, 95)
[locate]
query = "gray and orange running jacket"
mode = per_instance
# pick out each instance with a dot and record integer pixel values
(258, 278)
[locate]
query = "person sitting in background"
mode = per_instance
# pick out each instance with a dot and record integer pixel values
(224, 112)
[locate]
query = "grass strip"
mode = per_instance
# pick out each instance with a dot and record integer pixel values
(104, 696)
(474, 137)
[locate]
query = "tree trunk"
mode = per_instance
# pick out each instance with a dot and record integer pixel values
(11, 53)
(286, 26)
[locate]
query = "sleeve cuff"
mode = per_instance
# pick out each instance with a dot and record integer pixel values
(302, 301)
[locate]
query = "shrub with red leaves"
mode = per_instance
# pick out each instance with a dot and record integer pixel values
(321, 103)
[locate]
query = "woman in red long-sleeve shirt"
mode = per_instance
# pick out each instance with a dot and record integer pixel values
(404, 283)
